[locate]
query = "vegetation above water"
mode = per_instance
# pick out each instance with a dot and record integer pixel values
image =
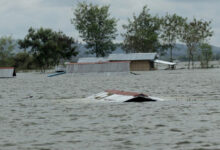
(48, 47)
(96, 28)
(44, 48)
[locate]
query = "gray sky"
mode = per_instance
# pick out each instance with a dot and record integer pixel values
(18, 15)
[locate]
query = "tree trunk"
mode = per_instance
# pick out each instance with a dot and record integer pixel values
(189, 63)
(192, 60)
(207, 61)
(171, 54)
(171, 58)
(188, 59)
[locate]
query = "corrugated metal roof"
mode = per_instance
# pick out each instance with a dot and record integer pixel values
(121, 96)
(164, 62)
(92, 59)
(104, 62)
(6, 67)
(124, 93)
(133, 56)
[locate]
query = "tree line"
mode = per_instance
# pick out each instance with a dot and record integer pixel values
(44, 48)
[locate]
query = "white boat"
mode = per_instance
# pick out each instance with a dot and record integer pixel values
(122, 96)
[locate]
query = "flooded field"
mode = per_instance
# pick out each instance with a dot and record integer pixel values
(37, 112)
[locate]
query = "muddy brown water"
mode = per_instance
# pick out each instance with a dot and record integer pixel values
(37, 112)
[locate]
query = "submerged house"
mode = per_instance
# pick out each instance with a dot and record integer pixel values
(7, 72)
(92, 59)
(138, 61)
(97, 66)
(116, 63)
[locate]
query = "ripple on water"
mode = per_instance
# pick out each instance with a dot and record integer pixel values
(48, 121)
(175, 130)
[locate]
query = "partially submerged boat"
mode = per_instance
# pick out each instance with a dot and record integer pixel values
(122, 96)
(56, 74)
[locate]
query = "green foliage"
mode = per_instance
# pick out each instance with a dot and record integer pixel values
(193, 33)
(96, 28)
(171, 28)
(23, 61)
(205, 54)
(6, 50)
(142, 33)
(48, 47)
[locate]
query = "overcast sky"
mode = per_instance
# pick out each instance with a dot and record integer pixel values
(16, 16)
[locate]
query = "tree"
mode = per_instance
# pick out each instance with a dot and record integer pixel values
(48, 47)
(96, 28)
(142, 33)
(205, 54)
(23, 61)
(194, 33)
(6, 50)
(171, 28)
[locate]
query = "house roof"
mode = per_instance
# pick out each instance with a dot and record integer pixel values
(125, 93)
(122, 96)
(133, 56)
(104, 62)
(92, 60)
(119, 57)
(6, 67)
(164, 62)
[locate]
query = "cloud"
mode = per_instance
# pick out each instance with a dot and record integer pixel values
(193, 1)
(58, 3)
(22, 14)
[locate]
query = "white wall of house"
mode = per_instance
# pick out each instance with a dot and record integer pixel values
(98, 67)
(6, 72)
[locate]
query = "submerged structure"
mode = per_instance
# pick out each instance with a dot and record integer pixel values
(116, 63)
(98, 67)
(7, 72)
(122, 96)
(138, 61)
(171, 65)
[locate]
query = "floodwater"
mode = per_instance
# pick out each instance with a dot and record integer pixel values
(37, 112)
